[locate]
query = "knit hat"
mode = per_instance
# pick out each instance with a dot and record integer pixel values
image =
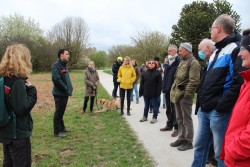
(245, 40)
(119, 58)
(187, 46)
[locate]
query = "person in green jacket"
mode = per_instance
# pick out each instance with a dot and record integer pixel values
(20, 96)
(62, 89)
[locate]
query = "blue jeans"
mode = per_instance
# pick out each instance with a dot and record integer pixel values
(135, 88)
(154, 102)
(211, 128)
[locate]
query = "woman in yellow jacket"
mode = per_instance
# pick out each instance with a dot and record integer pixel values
(126, 77)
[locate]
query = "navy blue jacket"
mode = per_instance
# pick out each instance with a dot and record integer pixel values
(168, 78)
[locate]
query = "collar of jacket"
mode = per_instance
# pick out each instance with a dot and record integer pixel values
(127, 66)
(245, 75)
(63, 63)
(234, 37)
(188, 56)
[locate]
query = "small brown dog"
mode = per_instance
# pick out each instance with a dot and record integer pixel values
(109, 105)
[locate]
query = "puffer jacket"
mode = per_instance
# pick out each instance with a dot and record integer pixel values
(185, 81)
(126, 76)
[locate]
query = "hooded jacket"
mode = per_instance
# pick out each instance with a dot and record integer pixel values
(221, 84)
(236, 145)
(126, 76)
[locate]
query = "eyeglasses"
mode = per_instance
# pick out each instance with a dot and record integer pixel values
(242, 48)
(212, 28)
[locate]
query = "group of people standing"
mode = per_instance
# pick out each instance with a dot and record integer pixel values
(222, 104)
(221, 95)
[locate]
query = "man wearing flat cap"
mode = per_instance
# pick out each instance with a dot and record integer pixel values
(115, 69)
(187, 78)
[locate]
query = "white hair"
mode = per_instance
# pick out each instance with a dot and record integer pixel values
(208, 43)
(173, 47)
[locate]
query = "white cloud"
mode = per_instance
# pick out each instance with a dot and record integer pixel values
(111, 22)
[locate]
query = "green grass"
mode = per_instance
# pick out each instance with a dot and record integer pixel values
(104, 139)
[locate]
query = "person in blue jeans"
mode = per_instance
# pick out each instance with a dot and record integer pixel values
(135, 85)
(218, 90)
(150, 89)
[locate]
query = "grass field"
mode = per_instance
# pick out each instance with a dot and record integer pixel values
(102, 140)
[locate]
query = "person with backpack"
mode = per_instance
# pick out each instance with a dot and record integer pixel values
(186, 80)
(20, 96)
(62, 89)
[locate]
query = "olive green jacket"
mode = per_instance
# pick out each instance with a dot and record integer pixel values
(185, 80)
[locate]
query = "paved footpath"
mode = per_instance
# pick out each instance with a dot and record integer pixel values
(155, 141)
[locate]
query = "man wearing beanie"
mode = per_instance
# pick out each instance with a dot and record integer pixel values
(187, 78)
(236, 143)
(115, 69)
(219, 90)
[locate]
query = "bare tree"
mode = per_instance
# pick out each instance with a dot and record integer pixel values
(149, 44)
(73, 34)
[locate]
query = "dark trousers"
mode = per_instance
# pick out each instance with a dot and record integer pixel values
(116, 85)
(122, 97)
(85, 103)
(171, 114)
(60, 103)
(17, 153)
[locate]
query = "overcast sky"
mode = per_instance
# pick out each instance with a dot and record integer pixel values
(111, 22)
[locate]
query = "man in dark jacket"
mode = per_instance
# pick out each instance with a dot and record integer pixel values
(62, 89)
(115, 69)
(168, 79)
(219, 90)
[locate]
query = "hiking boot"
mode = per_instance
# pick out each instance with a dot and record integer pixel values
(177, 143)
(185, 146)
(166, 128)
(175, 133)
(61, 135)
(128, 114)
(143, 119)
(154, 120)
(121, 113)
